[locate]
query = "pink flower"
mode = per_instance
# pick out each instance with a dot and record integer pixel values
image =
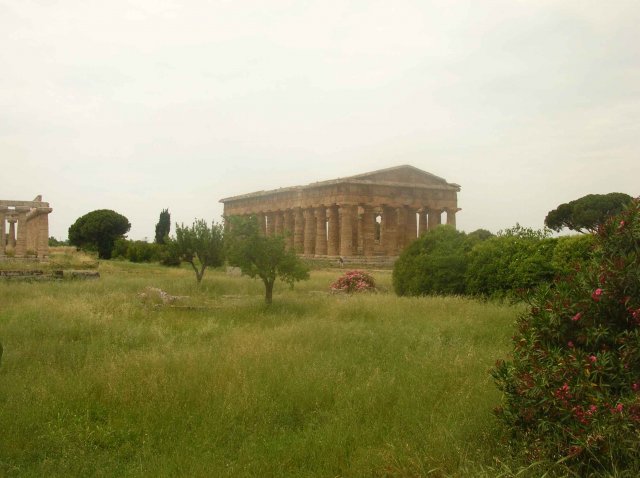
(622, 223)
(570, 344)
(576, 317)
(635, 387)
(592, 358)
(618, 409)
(597, 295)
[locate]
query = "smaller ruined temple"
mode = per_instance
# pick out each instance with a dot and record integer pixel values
(27, 234)
(374, 214)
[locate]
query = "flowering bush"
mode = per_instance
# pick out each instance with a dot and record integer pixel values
(354, 281)
(571, 393)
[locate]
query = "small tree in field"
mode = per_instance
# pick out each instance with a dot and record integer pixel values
(200, 245)
(163, 227)
(572, 388)
(260, 256)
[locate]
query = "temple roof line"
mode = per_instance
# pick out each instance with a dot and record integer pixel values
(363, 179)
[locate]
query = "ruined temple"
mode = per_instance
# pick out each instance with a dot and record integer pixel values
(369, 215)
(28, 234)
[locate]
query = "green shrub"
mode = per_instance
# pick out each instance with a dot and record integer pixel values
(136, 251)
(435, 263)
(516, 260)
(572, 252)
(120, 247)
(53, 242)
(169, 254)
(571, 392)
(142, 251)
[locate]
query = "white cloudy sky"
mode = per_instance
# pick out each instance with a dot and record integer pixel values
(141, 105)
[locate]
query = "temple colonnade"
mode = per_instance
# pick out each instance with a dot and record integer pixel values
(349, 229)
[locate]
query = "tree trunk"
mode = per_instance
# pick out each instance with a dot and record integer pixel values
(199, 273)
(268, 291)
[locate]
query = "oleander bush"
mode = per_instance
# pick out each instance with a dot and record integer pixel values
(571, 391)
(354, 281)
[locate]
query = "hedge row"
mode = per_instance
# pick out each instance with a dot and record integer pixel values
(447, 261)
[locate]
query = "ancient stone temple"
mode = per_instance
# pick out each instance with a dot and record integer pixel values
(374, 214)
(27, 234)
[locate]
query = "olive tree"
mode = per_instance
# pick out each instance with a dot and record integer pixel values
(199, 245)
(260, 256)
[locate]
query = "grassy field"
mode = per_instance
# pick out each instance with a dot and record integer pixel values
(96, 381)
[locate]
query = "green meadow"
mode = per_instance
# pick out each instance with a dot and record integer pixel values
(97, 380)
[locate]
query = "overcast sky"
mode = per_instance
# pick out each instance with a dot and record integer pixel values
(142, 105)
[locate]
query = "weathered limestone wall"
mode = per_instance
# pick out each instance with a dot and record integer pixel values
(28, 228)
(339, 217)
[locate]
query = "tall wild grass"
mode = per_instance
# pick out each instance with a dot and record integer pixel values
(96, 382)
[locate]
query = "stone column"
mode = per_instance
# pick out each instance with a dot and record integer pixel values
(3, 231)
(434, 218)
(11, 243)
(422, 222)
(321, 231)
(288, 229)
(388, 230)
(42, 247)
(368, 231)
(298, 231)
(271, 223)
(309, 232)
(278, 220)
(333, 245)
(451, 217)
(401, 233)
(347, 215)
(33, 231)
(358, 243)
(411, 226)
(21, 239)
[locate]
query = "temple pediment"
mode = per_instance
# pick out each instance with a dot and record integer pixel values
(402, 174)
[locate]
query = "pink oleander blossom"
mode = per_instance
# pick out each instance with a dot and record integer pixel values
(597, 295)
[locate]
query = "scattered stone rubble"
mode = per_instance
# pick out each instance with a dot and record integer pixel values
(153, 294)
